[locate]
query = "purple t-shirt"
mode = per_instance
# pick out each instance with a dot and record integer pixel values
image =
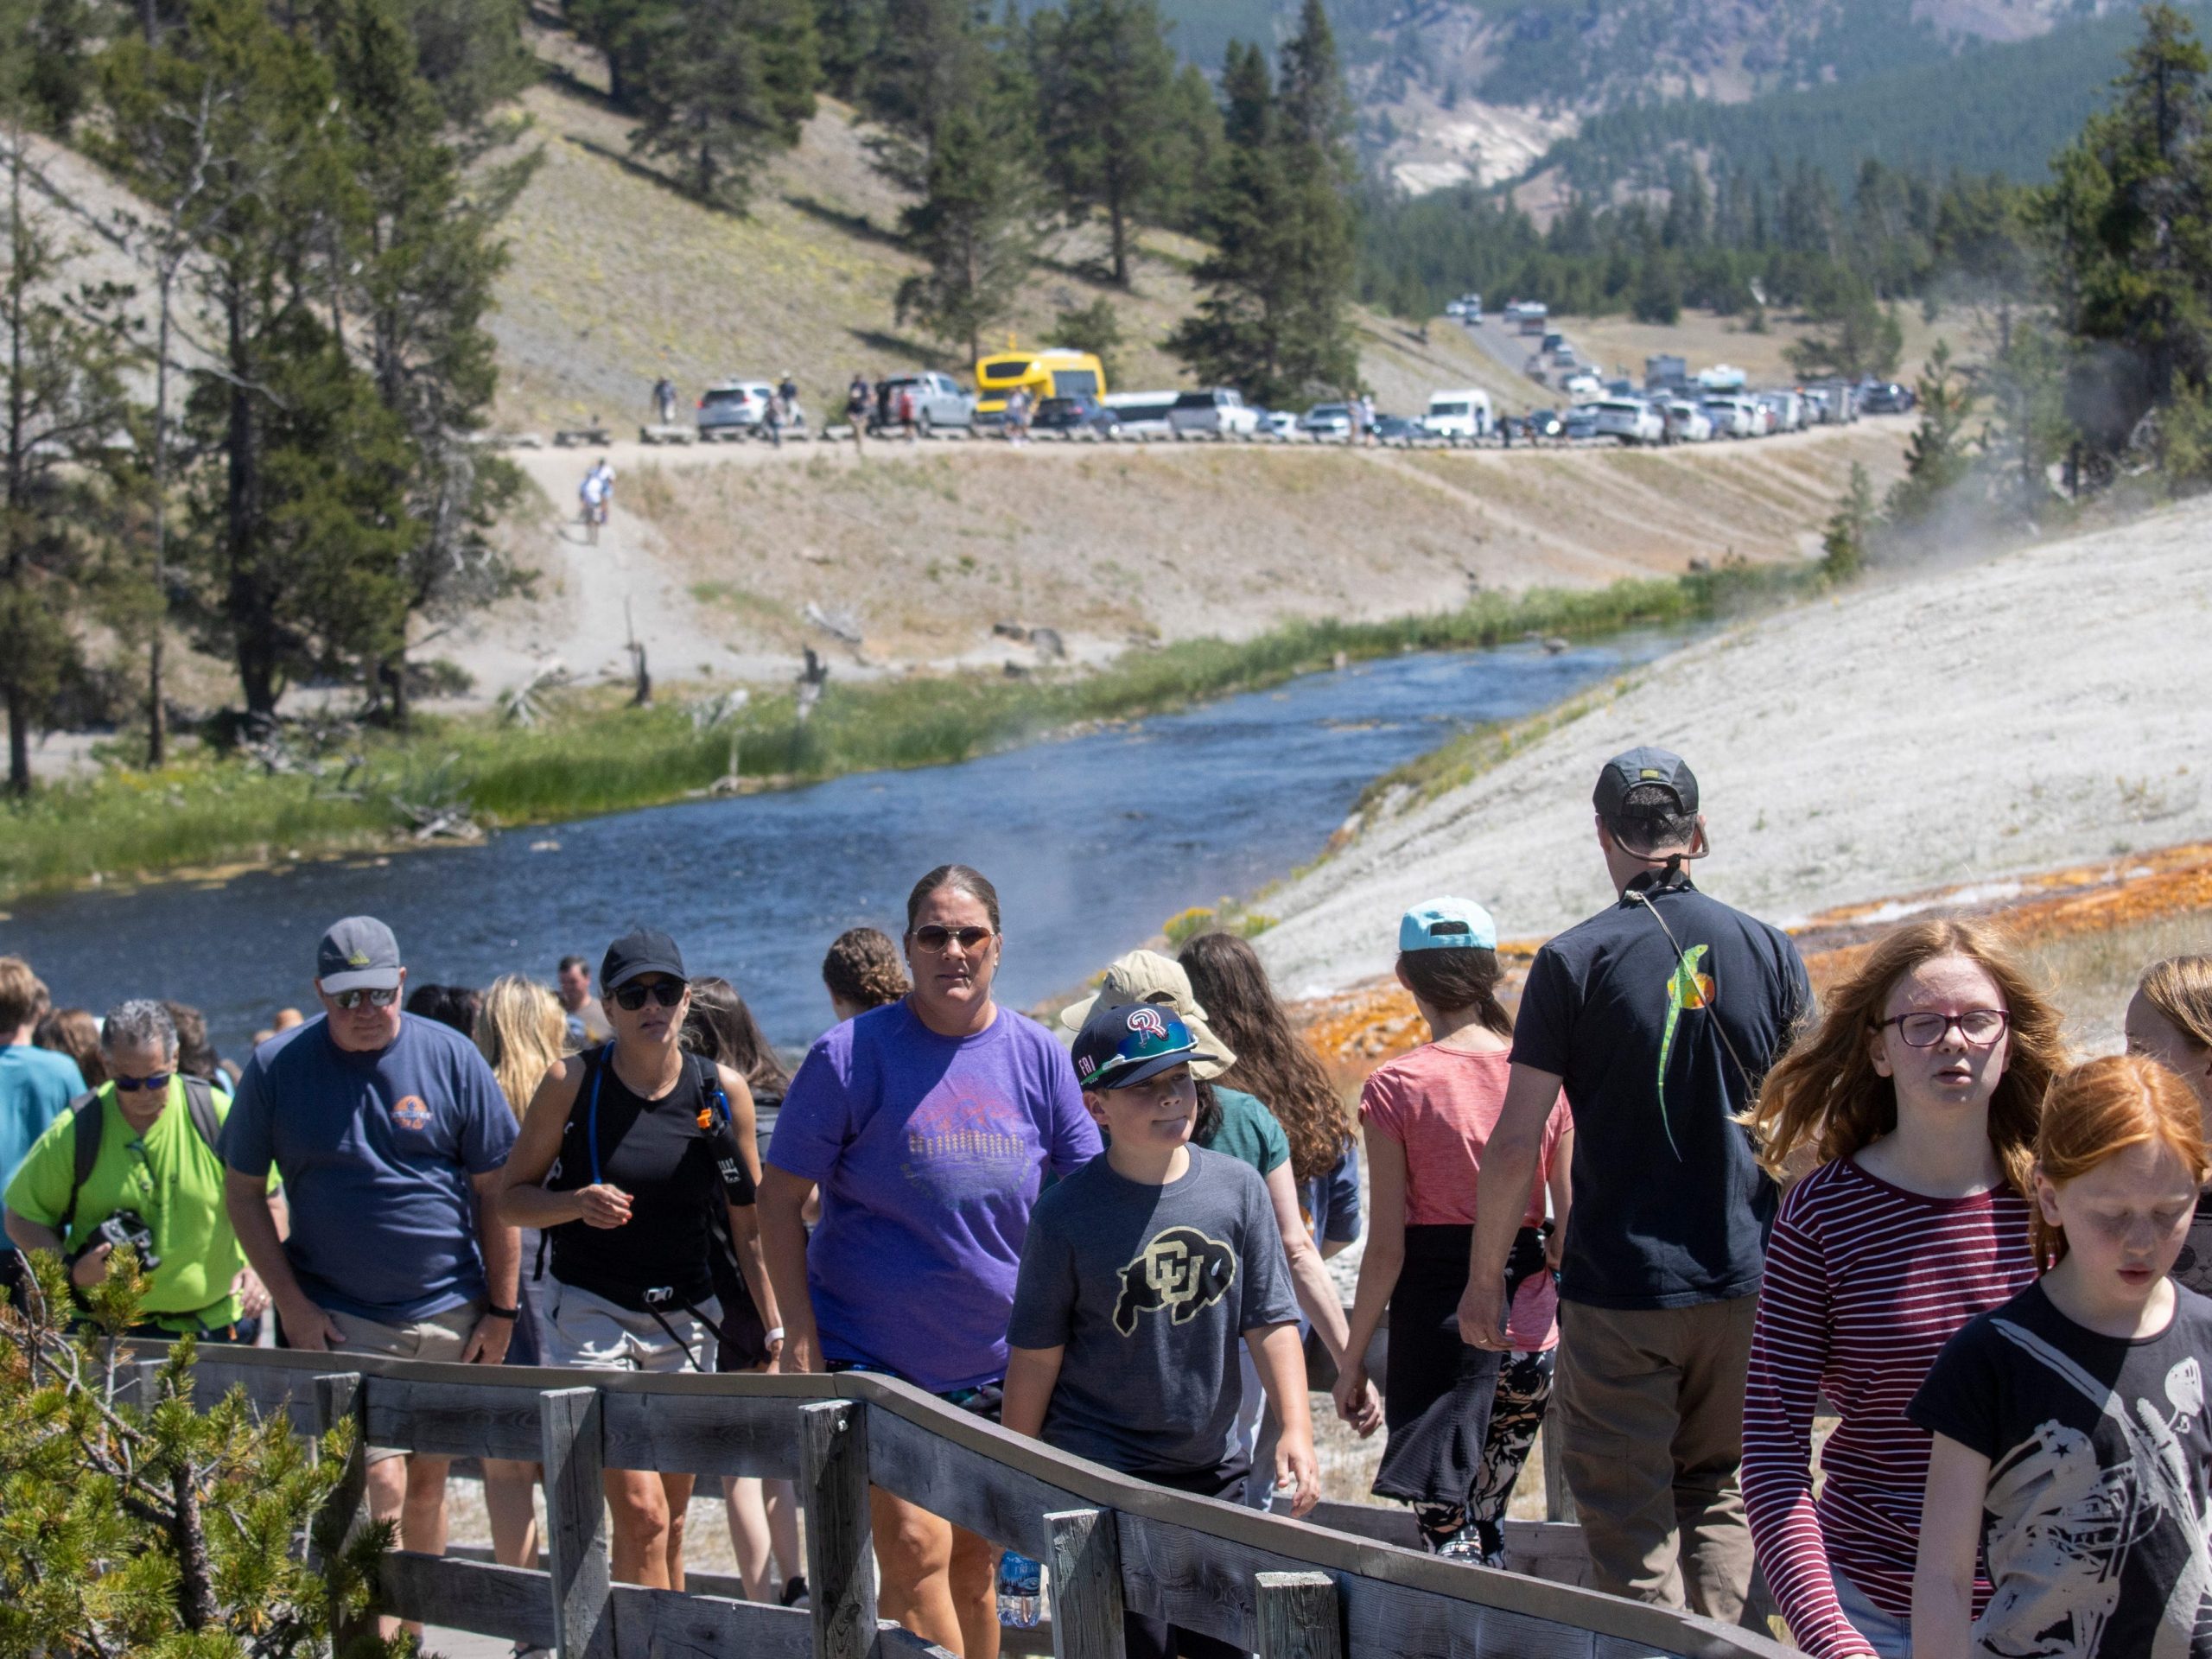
(929, 1151)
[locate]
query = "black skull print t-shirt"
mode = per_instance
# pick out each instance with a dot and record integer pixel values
(2095, 1520)
(1150, 1289)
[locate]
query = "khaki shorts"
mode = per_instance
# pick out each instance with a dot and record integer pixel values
(441, 1337)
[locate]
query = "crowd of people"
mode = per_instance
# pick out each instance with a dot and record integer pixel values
(1671, 1205)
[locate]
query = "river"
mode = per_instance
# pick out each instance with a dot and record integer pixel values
(1093, 842)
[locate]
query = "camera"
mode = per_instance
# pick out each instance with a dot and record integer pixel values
(123, 1227)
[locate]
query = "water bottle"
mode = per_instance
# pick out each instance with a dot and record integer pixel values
(1021, 1591)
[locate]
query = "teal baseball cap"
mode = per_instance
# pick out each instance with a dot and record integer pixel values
(1447, 925)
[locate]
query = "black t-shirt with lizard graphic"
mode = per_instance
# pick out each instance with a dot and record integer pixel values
(1150, 1289)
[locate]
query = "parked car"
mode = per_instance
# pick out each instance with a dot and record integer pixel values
(1078, 416)
(1685, 421)
(1219, 413)
(1581, 422)
(731, 409)
(1887, 397)
(1787, 408)
(1462, 415)
(938, 401)
(1630, 420)
(1278, 424)
(1581, 384)
(1396, 429)
(1326, 421)
(1732, 418)
(1143, 414)
(1546, 423)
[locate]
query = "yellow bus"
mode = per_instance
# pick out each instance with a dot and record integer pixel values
(1054, 372)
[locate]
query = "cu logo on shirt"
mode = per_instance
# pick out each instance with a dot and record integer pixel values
(410, 1112)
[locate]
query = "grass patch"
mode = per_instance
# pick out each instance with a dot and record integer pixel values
(590, 753)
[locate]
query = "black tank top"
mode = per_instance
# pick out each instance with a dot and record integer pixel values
(676, 1157)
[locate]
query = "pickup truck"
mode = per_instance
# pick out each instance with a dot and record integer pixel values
(938, 402)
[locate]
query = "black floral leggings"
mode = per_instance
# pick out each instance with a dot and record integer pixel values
(1524, 1389)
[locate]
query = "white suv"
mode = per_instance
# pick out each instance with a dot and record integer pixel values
(1629, 419)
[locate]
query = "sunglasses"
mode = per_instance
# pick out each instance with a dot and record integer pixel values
(666, 992)
(374, 999)
(132, 1085)
(934, 938)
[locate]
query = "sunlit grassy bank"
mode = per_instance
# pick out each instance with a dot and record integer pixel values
(589, 754)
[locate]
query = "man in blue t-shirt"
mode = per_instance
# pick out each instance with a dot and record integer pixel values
(36, 1085)
(389, 1131)
(1659, 1017)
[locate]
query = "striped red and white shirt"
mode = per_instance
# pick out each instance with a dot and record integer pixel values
(1865, 1283)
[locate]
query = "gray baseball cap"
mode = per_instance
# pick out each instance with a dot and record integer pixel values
(357, 954)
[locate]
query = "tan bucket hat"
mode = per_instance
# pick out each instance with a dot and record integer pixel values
(1147, 976)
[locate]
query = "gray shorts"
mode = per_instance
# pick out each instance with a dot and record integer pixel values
(594, 1334)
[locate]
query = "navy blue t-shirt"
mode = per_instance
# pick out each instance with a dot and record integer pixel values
(377, 1152)
(1671, 1208)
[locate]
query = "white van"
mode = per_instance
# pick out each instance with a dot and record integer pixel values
(1628, 419)
(1462, 417)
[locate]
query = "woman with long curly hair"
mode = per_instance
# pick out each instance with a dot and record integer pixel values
(1278, 1067)
(1918, 1097)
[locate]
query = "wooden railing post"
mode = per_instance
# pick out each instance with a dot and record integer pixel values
(340, 1399)
(1085, 1558)
(1559, 1498)
(570, 1429)
(1299, 1616)
(833, 1490)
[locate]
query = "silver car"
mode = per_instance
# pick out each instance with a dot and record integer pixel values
(734, 409)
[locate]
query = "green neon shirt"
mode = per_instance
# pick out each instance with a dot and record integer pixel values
(171, 1177)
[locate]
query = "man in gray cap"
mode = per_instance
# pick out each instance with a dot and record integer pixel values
(389, 1132)
(1659, 1016)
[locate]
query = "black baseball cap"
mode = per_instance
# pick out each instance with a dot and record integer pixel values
(1120, 1047)
(1636, 767)
(641, 950)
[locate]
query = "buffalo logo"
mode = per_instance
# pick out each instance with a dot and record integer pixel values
(1149, 1021)
(410, 1112)
(1180, 1270)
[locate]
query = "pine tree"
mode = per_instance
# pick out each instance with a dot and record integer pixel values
(721, 85)
(935, 65)
(1096, 329)
(64, 349)
(1273, 322)
(1843, 543)
(2128, 226)
(1937, 458)
(977, 226)
(416, 276)
(1106, 98)
(848, 34)
(138, 1524)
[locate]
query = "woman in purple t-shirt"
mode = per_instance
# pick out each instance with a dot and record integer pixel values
(928, 1124)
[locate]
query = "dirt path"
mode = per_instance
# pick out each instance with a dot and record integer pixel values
(2040, 708)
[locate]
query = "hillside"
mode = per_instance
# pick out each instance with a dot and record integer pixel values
(616, 278)
(1921, 734)
(715, 556)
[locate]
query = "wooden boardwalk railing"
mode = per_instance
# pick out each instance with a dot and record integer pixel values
(1280, 1588)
